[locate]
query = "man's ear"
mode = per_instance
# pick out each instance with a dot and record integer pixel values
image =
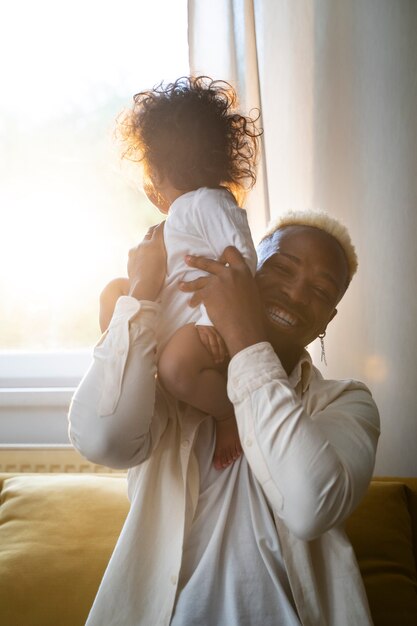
(333, 314)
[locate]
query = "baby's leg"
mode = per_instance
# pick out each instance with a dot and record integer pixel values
(188, 371)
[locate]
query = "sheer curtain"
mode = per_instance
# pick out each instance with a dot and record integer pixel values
(336, 81)
(222, 44)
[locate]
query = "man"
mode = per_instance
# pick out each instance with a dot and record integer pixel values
(261, 541)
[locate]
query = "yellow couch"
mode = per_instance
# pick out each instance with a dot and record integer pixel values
(57, 532)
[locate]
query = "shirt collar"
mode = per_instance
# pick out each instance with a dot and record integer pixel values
(302, 372)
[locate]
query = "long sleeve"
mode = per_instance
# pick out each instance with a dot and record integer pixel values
(117, 415)
(314, 465)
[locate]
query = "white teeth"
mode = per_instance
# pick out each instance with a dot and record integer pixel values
(282, 317)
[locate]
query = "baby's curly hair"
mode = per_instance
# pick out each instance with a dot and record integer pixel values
(190, 132)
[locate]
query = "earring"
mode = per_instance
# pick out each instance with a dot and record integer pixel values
(323, 352)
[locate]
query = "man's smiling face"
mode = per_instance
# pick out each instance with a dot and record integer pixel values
(301, 282)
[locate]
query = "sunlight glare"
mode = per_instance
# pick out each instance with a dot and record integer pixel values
(68, 214)
(47, 250)
(60, 54)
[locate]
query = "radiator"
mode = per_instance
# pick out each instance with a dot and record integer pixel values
(47, 459)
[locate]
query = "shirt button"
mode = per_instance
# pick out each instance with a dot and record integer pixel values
(249, 442)
(185, 443)
(121, 351)
(174, 579)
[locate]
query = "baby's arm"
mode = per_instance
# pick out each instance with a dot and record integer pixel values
(108, 298)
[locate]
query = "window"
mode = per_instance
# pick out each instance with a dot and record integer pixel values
(70, 214)
(70, 211)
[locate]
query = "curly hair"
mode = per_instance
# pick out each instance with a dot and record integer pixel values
(190, 132)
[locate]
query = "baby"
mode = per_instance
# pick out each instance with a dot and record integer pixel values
(198, 156)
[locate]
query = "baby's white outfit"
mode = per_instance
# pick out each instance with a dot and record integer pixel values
(202, 222)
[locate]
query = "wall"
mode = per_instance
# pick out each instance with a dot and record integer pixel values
(339, 101)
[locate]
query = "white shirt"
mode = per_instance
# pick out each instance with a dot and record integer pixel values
(310, 443)
(232, 571)
(202, 222)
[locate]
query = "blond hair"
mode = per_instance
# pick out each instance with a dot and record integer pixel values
(322, 221)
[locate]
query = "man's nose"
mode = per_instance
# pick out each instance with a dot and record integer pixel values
(297, 292)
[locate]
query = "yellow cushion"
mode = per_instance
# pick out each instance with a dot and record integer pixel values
(381, 533)
(57, 533)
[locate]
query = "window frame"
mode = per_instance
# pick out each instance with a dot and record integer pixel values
(43, 369)
(35, 391)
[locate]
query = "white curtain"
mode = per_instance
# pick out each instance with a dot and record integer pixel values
(222, 43)
(336, 81)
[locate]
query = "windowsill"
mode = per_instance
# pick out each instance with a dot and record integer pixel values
(35, 393)
(35, 397)
(44, 370)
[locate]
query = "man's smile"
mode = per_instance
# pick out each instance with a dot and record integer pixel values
(280, 316)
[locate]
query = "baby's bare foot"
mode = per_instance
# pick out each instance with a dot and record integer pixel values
(228, 447)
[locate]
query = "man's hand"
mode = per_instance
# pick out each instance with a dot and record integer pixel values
(231, 298)
(147, 265)
(213, 342)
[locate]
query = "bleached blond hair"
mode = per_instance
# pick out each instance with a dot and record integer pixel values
(322, 221)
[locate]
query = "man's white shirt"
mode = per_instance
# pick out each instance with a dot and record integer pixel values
(232, 570)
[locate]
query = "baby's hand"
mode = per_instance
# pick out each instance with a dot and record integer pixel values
(213, 342)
